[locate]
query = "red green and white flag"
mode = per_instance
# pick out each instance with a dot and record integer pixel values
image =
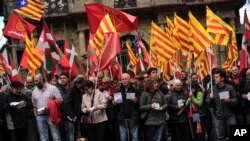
(74, 60)
(53, 58)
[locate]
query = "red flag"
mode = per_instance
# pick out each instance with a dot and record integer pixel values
(17, 27)
(113, 47)
(244, 55)
(14, 73)
(121, 20)
(116, 68)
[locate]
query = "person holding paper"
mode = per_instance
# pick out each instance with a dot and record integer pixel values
(16, 107)
(196, 111)
(94, 105)
(127, 109)
(71, 108)
(180, 128)
(222, 100)
(153, 102)
(41, 96)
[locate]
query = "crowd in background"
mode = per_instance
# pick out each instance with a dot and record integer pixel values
(143, 108)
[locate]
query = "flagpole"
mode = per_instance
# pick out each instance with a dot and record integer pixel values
(211, 76)
(200, 75)
(87, 68)
(111, 75)
(99, 63)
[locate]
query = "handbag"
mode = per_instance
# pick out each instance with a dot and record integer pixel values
(87, 119)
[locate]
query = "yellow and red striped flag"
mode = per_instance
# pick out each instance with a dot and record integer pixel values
(153, 53)
(232, 55)
(32, 9)
(199, 36)
(167, 71)
(220, 30)
(183, 30)
(131, 55)
(164, 46)
(34, 58)
(203, 66)
(174, 36)
(106, 26)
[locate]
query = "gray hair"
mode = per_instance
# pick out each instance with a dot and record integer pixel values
(79, 79)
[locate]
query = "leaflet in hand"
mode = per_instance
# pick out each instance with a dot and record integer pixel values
(42, 110)
(118, 97)
(180, 103)
(224, 95)
(248, 96)
(130, 95)
(18, 105)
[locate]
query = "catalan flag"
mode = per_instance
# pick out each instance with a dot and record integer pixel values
(153, 53)
(199, 37)
(34, 59)
(183, 30)
(220, 30)
(167, 71)
(3, 66)
(232, 55)
(164, 46)
(131, 55)
(32, 9)
(105, 27)
(172, 31)
(203, 67)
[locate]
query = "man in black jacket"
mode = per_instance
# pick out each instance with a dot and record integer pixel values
(127, 109)
(222, 99)
(72, 109)
(16, 105)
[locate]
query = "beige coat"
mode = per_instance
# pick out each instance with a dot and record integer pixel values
(99, 102)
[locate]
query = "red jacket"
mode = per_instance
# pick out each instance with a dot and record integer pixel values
(54, 111)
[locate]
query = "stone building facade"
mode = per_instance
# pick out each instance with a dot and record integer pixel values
(72, 15)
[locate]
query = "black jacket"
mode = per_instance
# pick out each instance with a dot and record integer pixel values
(19, 117)
(128, 109)
(72, 103)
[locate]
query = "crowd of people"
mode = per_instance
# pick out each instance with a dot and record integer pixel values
(143, 108)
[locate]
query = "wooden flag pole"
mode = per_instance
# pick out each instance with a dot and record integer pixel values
(99, 62)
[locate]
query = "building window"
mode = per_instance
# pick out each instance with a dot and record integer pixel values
(125, 3)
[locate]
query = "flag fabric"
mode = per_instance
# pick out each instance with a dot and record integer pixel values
(92, 57)
(139, 51)
(167, 71)
(3, 66)
(105, 27)
(17, 27)
(164, 46)
(199, 36)
(131, 55)
(153, 54)
(53, 57)
(172, 31)
(183, 30)
(34, 58)
(116, 68)
(32, 9)
(14, 76)
(232, 55)
(244, 55)
(146, 56)
(112, 48)
(121, 20)
(203, 67)
(218, 27)
(74, 60)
